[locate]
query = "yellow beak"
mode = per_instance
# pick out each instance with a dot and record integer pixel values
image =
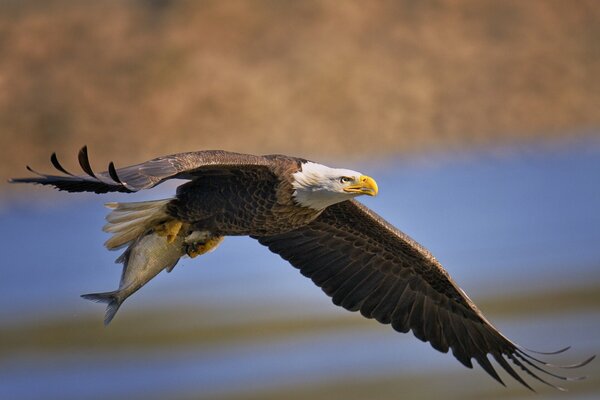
(366, 185)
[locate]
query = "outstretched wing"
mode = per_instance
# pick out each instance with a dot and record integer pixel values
(141, 176)
(367, 265)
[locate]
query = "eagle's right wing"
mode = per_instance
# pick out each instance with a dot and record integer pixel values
(145, 175)
(367, 265)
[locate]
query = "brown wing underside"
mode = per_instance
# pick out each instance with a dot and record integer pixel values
(142, 176)
(367, 265)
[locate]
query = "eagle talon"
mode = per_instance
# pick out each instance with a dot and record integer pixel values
(192, 250)
(196, 249)
(170, 229)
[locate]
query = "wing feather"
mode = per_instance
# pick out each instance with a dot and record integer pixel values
(367, 265)
(357, 295)
(142, 176)
(383, 312)
(374, 299)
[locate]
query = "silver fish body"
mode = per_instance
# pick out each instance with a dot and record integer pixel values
(143, 260)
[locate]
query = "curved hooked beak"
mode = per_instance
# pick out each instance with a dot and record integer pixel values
(366, 185)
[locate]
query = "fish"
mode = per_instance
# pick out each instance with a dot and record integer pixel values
(145, 258)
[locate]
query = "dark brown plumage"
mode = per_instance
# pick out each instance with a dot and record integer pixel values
(367, 265)
(355, 256)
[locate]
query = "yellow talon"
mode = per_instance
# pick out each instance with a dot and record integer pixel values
(197, 249)
(170, 229)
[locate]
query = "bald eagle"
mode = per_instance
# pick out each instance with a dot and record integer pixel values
(306, 213)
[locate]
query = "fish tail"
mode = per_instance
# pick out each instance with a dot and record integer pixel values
(129, 221)
(113, 300)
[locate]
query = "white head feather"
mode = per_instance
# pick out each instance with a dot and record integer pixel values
(318, 186)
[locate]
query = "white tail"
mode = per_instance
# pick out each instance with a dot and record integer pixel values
(128, 221)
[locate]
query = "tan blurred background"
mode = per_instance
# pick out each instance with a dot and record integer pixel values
(137, 79)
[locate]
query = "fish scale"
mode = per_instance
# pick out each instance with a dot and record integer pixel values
(145, 258)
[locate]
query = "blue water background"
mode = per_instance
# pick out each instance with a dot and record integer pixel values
(501, 221)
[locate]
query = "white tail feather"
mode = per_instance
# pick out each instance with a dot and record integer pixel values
(128, 221)
(124, 216)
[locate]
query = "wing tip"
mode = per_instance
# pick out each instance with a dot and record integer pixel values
(545, 353)
(84, 162)
(56, 164)
(522, 351)
(88, 182)
(528, 361)
(113, 173)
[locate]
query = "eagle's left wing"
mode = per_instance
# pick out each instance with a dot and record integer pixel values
(367, 265)
(145, 175)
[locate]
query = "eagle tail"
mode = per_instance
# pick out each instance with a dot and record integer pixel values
(112, 298)
(128, 221)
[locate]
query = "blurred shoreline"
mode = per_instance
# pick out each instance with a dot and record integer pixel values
(322, 351)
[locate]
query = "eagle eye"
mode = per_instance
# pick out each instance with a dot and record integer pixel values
(345, 179)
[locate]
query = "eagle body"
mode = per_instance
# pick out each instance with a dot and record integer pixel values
(306, 213)
(244, 201)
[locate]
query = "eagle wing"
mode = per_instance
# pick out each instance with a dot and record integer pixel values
(367, 265)
(142, 176)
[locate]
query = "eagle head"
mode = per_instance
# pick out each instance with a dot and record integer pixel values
(317, 186)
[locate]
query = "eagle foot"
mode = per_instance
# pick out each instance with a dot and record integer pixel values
(196, 249)
(170, 229)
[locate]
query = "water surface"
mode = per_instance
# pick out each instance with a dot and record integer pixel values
(502, 223)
